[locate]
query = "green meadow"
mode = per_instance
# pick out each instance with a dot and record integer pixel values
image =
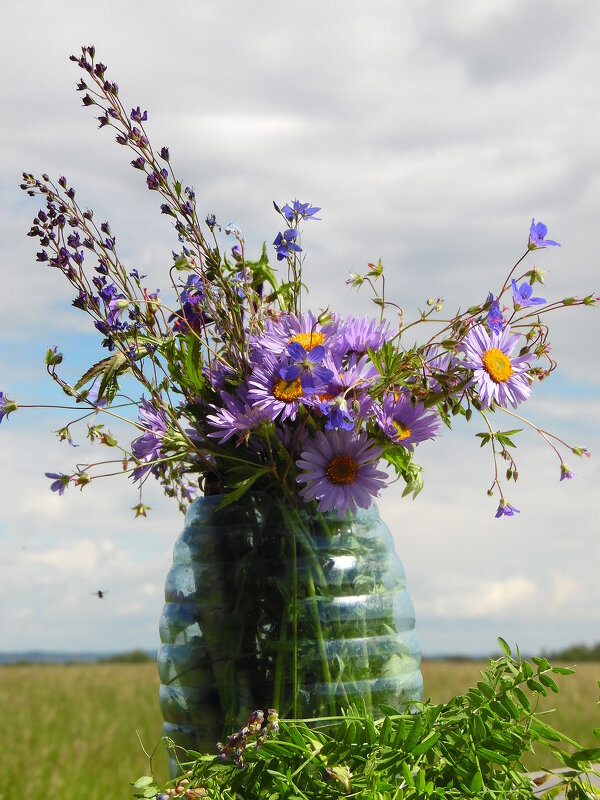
(78, 731)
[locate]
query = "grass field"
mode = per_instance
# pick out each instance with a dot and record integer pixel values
(71, 732)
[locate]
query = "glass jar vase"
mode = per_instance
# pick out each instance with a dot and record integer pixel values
(272, 605)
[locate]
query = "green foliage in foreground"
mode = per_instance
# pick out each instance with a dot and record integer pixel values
(471, 746)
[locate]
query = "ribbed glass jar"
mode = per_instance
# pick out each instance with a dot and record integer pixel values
(274, 606)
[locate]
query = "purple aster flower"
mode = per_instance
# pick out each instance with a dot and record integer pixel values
(501, 378)
(59, 482)
(358, 333)
(6, 406)
(522, 296)
(494, 320)
(565, 472)
(285, 244)
(306, 366)
(404, 423)
(537, 232)
(346, 396)
(340, 471)
(304, 329)
(506, 510)
(148, 447)
(238, 417)
(273, 395)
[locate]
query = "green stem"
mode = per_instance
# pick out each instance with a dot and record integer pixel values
(320, 642)
(295, 623)
(294, 523)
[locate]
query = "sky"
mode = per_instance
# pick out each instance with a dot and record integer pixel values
(430, 134)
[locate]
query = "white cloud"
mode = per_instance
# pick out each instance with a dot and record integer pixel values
(476, 599)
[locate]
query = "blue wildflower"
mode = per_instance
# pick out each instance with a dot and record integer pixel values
(565, 472)
(306, 365)
(495, 319)
(506, 510)
(537, 240)
(59, 482)
(298, 211)
(285, 244)
(522, 295)
(6, 406)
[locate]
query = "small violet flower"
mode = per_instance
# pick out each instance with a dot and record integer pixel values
(537, 240)
(299, 210)
(522, 296)
(306, 366)
(506, 510)
(6, 406)
(285, 244)
(495, 319)
(565, 472)
(59, 482)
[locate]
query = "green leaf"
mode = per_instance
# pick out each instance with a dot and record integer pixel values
(486, 689)
(501, 642)
(522, 698)
(536, 687)
(588, 754)
(547, 681)
(542, 664)
(241, 488)
(427, 743)
(145, 780)
(492, 755)
(414, 734)
(479, 729)
(563, 671)
(476, 782)
(527, 669)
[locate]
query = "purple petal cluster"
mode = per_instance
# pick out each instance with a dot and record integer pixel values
(340, 471)
(59, 482)
(237, 418)
(147, 448)
(404, 423)
(500, 377)
(506, 510)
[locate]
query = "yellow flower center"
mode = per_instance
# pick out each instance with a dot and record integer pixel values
(402, 432)
(497, 365)
(308, 340)
(287, 391)
(342, 470)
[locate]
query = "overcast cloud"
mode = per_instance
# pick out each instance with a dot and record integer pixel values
(430, 133)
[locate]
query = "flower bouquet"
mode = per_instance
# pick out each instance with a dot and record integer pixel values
(295, 417)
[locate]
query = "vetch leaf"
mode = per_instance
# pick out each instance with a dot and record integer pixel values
(501, 642)
(144, 781)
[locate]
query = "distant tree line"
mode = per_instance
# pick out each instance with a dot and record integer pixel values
(576, 653)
